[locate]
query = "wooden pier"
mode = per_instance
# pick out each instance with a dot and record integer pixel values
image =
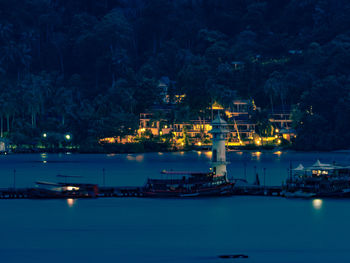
(126, 191)
(257, 190)
(129, 191)
(15, 193)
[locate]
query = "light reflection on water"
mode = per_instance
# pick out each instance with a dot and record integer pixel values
(278, 153)
(138, 158)
(317, 204)
(71, 202)
(208, 154)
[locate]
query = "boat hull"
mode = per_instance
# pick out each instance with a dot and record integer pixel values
(201, 192)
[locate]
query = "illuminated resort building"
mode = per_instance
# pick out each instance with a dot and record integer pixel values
(158, 122)
(197, 132)
(281, 119)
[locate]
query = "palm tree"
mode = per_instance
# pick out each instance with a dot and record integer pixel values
(8, 109)
(36, 89)
(274, 87)
(63, 103)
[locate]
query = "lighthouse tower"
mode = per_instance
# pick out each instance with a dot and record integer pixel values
(219, 132)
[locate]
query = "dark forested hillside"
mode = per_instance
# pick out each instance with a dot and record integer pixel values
(90, 67)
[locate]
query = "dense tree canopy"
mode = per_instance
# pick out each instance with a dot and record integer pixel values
(90, 67)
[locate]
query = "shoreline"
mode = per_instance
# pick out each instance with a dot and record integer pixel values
(261, 150)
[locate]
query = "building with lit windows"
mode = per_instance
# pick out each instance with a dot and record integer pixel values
(281, 118)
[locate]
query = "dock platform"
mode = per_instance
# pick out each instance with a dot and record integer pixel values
(15, 193)
(257, 190)
(130, 191)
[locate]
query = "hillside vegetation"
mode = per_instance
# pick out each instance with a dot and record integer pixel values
(90, 67)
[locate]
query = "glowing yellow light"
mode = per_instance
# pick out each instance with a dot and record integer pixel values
(67, 136)
(277, 130)
(108, 140)
(44, 161)
(143, 129)
(278, 153)
(160, 133)
(182, 144)
(166, 126)
(276, 136)
(279, 141)
(72, 188)
(257, 142)
(199, 143)
(44, 135)
(217, 106)
(317, 203)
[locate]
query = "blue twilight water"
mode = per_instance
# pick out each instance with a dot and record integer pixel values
(267, 229)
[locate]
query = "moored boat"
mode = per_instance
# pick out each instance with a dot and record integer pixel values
(63, 190)
(187, 184)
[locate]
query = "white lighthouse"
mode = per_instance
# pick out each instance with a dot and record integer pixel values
(219, 132)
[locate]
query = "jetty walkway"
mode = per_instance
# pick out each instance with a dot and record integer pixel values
(125, 191)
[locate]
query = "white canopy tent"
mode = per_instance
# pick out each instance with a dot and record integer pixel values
(299, 168)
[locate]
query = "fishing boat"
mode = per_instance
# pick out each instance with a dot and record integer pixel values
(187, 184)
(64, 189)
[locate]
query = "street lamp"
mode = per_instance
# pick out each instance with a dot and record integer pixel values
(44, 135)
(68, 137)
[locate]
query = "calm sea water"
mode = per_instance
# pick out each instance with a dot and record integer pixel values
(267, 229)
